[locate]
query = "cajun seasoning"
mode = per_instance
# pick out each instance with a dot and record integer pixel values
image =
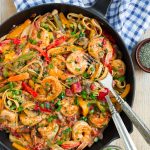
(144, 55)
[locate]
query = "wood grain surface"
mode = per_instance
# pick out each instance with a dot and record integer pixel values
(142, 95)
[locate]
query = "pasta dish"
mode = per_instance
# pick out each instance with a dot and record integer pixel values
(49, 95)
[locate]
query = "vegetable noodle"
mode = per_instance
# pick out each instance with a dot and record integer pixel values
(50, 97)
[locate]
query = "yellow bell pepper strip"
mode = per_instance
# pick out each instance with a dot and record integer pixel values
(84, 105)
(20, 77)
(18, 147)
(64, 20)
(124, 94)
(18, 30)
(1, 104)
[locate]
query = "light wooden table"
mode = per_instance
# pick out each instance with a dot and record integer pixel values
(142, 95)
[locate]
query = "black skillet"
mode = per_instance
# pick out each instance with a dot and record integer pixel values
(97, 11)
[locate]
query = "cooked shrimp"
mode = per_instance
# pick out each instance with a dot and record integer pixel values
(118, 67)
(9, 115)
(68, 107)
(59, 62)
(18, 140)
(31, 121)
(52, 84)
(75, 63)
(50, 131)
(60, 74)
(99, 120)
(81, 131)
(100, 47)
(107, 47)
(64, 134)
(95, 47)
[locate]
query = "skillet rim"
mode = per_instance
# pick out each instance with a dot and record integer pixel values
(99, 15)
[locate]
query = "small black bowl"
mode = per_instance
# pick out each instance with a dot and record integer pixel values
(137, 51)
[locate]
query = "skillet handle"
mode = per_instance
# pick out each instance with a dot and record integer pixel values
(101, 6)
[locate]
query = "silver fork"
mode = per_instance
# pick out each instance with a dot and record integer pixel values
(139, 124)
(123, 133)
(122, 130)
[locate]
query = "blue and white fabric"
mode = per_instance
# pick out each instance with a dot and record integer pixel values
(131, 18)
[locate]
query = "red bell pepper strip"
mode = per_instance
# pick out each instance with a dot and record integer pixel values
(29, 89)
(16, 41)
(57, 42)
(42, 52)
(102, 94)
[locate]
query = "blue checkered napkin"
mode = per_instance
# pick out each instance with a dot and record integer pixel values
(23, 4)
(129, 17)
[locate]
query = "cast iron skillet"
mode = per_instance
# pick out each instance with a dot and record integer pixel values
(96, 12)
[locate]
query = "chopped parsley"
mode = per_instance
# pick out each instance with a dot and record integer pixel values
(92, 96)
(121, 79)
(80, 35)
(59, 108)
(84, 118)
(42, 105)
(69, 80)
(99, 44)
(47, 105)
(66, 131)
(1, 59)
(45, 26)
(59, 142)
(58, 105)
(78, 69)
(73, 33)
(11, 85)
(13, 107)
(5, 73)
(32, 41)
(84, 94)
(85, 75)
(39, 34)
(51, 66)
(51, 118)
(92, 111)
(92, 69)
(76, 101)
(61, 95)
(16, 92)
(20, 108)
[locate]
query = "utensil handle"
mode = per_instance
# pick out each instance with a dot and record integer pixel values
(129, 145)
(139, 124)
